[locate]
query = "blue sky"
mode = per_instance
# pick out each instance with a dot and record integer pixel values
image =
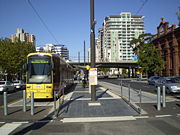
(69, 20)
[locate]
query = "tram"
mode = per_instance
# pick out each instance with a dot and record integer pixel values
(46, 73)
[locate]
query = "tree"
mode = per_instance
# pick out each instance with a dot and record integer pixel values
(136, 43)
(105, 70)
(13, 55)
(148, 57)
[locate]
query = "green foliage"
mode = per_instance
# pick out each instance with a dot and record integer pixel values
(149, 59)
(140, 41)
(105, 70)
(13, 55)
(124, 71)
(41, 50)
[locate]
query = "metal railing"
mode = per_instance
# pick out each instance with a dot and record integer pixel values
(131, 96)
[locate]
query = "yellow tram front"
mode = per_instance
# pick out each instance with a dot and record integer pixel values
(39, 75)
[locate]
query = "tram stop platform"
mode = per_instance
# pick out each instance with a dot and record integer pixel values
(75, 104)
(78, 106)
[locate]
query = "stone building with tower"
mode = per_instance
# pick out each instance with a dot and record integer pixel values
(167, 42)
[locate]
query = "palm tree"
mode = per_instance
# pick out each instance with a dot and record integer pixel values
(136, 43)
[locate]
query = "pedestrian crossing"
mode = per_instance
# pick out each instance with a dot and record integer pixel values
(8, 128)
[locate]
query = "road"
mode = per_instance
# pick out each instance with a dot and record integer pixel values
(133, 84)
(12, 97)
(137, 85)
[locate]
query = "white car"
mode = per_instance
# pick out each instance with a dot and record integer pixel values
(172, 84)
(6, 86)
(19, 84)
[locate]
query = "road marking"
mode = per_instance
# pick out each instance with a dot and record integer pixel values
(8, 128)
(117, 93)
(94, 104)
(142, 117)
(110, 93)
(68, 96)
(21, 122)
(172, 98)
(97, 119)
(81, 91)
(11, 103)
(161, 116)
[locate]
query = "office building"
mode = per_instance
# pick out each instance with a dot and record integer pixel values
(23, 36)
(58, 49)
(62, 51)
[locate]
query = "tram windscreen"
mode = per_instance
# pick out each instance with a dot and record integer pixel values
(39, 69)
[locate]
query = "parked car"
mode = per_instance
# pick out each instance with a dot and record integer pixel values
(6, 86)
(161, 81)
(19, 84)
(152, 80)
(172, 84)
(176, 77)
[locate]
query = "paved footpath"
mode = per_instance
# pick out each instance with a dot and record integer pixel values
(78, 115)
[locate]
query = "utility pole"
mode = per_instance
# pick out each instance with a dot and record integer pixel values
(92, 41)
(79, 57)
(84, 53)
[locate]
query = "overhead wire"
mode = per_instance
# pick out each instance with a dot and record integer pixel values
(42, 21)
(143, 4)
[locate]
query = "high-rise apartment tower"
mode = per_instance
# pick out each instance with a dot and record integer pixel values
(115, 36)
(23, 36)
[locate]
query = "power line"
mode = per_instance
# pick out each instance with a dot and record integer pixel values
(145, 1)
(42, 21)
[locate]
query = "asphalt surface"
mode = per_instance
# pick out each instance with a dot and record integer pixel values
(13, 96)
(151, 126)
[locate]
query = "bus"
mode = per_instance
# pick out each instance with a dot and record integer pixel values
(47, 74)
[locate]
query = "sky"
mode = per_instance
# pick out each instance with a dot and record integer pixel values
(69, 20)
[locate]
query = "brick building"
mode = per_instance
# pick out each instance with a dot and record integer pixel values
(167, 41)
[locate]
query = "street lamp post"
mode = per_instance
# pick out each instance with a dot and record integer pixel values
(92, 42)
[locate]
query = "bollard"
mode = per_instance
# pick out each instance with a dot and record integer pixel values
(24, 100)
(5, 103)
(140, 100)
(159, 99)
(32, 103)
(121, 89)
(54, 103)
(164, 97)
(129, 91)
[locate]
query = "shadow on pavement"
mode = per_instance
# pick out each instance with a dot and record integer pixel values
(38, 125)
